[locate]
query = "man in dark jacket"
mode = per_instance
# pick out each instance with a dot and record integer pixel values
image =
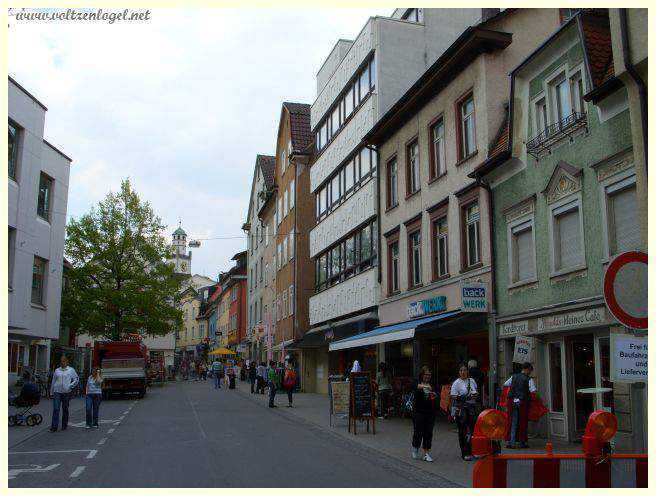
(519, 397)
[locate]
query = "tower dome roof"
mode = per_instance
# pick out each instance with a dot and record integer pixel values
(179, 231)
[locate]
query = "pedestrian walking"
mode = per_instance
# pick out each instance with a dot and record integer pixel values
(261, 377)
(252, 376)
(289, 382)
(217, 373)
(463, 409)
(273, 382)
(423, 415)
(184, 370)
(519, 397)
(231, 373)
(384, 382)
(93, 398)
(203, 370)
(64, 379)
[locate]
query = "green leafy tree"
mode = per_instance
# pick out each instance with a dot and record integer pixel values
(121, 282)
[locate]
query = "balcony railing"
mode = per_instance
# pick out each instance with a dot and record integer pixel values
(555, 132)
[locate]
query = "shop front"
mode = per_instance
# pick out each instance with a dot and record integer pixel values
(570, 351)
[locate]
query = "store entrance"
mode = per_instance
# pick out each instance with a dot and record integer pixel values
(582, 351)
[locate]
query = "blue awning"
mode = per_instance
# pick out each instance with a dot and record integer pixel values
(385, 334)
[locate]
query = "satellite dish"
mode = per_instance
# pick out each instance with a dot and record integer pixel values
(194, 243)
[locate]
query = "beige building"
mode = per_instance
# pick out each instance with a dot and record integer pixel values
(436, 261)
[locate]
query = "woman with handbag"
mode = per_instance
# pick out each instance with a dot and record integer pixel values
(423, 415)
(288, 382)
(463, 409)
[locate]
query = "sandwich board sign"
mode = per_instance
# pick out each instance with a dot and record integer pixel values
(524, 349)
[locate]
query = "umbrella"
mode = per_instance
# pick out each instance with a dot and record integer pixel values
(222, 351)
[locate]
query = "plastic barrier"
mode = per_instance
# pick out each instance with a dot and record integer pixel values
(596, 466)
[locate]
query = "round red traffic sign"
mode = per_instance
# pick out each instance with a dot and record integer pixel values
(625, 289)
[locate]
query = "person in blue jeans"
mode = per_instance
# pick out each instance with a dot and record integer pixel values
(64, 379)
(94, 397)
(217, 373)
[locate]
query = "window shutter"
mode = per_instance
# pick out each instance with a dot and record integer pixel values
(569, 242)
(625, 220)
(525, 262)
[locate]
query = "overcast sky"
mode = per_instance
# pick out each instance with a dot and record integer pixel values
(180, 104)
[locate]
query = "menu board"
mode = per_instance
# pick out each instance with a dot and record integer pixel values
(339, 398)
(361, 395)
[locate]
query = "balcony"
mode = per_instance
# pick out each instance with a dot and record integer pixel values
(542, 143)
(352, 295)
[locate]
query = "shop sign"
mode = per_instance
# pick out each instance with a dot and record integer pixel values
(425, 307)
(513, 328)
(524, 349)
(474, 296)
(628, 358)
(581, 318)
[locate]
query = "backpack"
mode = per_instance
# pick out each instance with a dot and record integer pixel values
(290, 380)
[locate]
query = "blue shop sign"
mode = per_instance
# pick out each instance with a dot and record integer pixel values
(425, 307)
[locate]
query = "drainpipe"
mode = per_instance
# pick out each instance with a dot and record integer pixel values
(642, 87)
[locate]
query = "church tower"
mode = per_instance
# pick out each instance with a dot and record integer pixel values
(181, 260)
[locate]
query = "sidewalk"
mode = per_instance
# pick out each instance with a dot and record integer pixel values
(393, 436)
(19, 433)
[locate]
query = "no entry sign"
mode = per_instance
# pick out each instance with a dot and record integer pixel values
(625, 289)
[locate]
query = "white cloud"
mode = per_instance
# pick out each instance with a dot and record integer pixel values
(181, 104)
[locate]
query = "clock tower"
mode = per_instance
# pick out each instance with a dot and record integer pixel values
(181, 259)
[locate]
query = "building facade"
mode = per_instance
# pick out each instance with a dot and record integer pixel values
(565, 202)
(237, 287)
(38, 177)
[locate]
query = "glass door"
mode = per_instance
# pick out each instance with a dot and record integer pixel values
(605, 400)
(557, 393)
(583, 377)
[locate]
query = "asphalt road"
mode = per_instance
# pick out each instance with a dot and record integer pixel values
(189, 435)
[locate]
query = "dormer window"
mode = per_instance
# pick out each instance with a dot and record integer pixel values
(414, 15)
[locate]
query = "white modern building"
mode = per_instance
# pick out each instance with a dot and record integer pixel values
(359, 81)
(38, 198)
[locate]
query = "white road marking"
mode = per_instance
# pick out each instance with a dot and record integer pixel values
(110, 430)
(126, 412)
(46, 452)
(102, 441)
(91, 454)
(78, 470)
(13, 472)
(83, 423)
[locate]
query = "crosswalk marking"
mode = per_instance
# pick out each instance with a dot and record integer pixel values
(78, 470)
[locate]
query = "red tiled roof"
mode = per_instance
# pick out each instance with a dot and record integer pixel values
(267, 164)
(500, 142)
(299, 116)
(597, 40)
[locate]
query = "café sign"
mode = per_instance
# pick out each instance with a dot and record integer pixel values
(581, 318)
(426, 307)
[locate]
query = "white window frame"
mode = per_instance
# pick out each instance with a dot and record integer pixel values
(608, 187)
(439, 148)
(568, 73)
(291, 245)
(565, 204)
(523, 221)
(477, 241)
(291, 299)
(292, 192)
(438, 237)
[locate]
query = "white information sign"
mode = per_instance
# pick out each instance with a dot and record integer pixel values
(628, 358)
(524, 349)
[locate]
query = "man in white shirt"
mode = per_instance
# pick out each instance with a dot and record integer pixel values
(64, 379)
(519, 397)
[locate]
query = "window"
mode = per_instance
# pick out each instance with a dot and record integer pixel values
(284, 304)
(414, 249)
(412, 167)
(472, 234)
(366, 244)
(467, 128)
(284, 251)
(567, 237)
(292, 194)
(556, 373)
(285, 204)
(321, 272)
(44, 201)
(335, 264)
(12, 255)
(522, 252)
(280, 211)
(349, 256)
(291, 245)
(335, 122)
(266, 275)
(392, 183)
(291, 300)
(541, 120)
(441, 248)
(279, 261)
(372, 73)
(621, 204)
(275, 221)
(323, 201)
(257, 236)
(438, 160)
(414, 15)
(12, 146)
(576, 87)
(365, 162)
(562, 106)
(364, 83)
(348, 102)
(266, 235)
(39, 280)
(334, 189)
(348, 177)
(393, 268)
(261, 269)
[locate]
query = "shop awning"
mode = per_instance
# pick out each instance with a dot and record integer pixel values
(385, 334)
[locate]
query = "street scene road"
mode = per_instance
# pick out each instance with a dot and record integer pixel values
(186, 434)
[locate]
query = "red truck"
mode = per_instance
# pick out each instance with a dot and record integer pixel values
(123, 366)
